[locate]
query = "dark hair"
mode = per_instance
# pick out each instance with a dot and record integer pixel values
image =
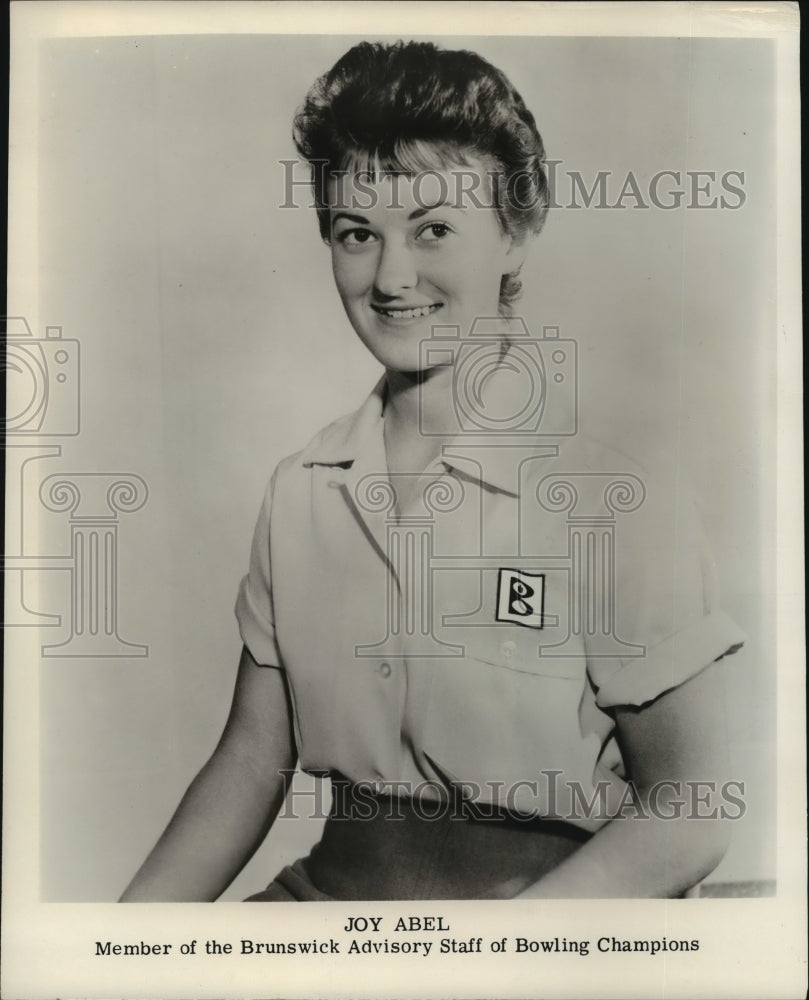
(411, 106)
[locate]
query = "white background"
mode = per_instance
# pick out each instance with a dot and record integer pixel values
(213, 344)
(121, 738)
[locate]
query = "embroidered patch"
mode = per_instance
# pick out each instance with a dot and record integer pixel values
(521, 598)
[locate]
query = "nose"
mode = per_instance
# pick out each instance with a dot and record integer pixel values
(396, 269)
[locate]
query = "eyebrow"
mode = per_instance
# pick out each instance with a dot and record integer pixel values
(425, 209)
(351, 218)
(417, 213)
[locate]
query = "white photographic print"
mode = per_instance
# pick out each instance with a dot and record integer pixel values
(403, 491)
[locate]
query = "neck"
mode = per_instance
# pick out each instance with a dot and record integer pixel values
(419, 417)
(420, 402)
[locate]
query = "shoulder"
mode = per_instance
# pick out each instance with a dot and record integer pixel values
(338, 443)
(649, 495)
(589, 453)
(662, 471)
(323, 443)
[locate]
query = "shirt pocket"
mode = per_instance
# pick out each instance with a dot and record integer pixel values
(502, 719)
(520, 649)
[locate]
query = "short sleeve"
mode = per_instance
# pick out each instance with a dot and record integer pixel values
(254, 605)
(665, 600)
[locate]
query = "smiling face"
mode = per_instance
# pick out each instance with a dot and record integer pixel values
(409, 252)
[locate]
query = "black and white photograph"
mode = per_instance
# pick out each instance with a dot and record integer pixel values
(403, 501)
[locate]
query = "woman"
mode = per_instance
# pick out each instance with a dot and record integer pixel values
(410, 617)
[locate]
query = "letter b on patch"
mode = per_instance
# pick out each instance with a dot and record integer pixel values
(521, 597)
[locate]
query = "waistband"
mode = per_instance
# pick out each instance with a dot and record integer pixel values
(378, 847)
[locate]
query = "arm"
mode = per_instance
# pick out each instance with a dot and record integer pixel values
(678, 737)
(231, 804)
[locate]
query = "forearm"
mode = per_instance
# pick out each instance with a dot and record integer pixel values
(232, 802)
(678, 738)
(637, 858)
(220, 822)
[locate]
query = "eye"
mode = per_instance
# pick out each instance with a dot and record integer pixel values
(356, 237)
(433, 232)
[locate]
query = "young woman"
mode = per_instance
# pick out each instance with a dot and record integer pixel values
(510, 698)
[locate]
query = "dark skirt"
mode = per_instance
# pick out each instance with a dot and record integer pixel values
(377, 847)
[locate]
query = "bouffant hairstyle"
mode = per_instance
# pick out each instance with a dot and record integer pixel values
(412, 106)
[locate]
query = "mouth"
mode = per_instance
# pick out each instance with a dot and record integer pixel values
(415, 312)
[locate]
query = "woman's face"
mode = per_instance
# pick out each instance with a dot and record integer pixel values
(411, 252)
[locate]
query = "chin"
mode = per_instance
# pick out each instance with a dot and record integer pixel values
(402, 366)
(395, 353)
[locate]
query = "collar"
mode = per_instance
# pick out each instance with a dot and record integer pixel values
(484, 458)
(347, 439)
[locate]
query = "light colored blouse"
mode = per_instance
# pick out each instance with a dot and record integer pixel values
(478, 638)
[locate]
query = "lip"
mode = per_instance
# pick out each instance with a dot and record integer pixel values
(406, 314)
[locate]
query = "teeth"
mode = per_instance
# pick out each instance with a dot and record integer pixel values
(408, 313)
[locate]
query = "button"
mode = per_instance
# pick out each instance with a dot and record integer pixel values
(509, 648)
(384, 669)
